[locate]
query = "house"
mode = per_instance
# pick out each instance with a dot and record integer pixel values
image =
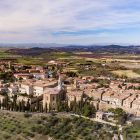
(97, 93)
(25, 88)
(25, 99)
(115, 137)
(35, 87)
(99, 115)
(127, 103)
(24, 76)
(40, 75)
(12, 89)
(40, 86)
(74, 95)
(2, 97)
(52, 62)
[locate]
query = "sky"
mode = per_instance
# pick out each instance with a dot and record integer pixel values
(70, 21)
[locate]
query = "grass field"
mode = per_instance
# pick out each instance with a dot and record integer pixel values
(4, 54)
(70, 69)
(137, 71)
(131, 65)
(133, 132)
(82, 52)
(128, 73)
(31, 61)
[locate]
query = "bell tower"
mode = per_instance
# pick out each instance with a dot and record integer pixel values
(59, 83)
(76, 84)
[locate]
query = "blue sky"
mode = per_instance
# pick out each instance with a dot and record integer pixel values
(70, 21)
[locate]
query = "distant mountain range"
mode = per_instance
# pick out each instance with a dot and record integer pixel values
(35, 49)
(31, 45)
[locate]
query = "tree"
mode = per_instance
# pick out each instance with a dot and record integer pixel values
(32, 108)
(73, 105)
(66, 107)
(12, 106)
(46, 108)
(40, 108)
(20, 78)
(0, 104)
(6, 102)
(119, 86)
(15, 106)
(22, 106)
(37, 105)
(119, 114)
(50, 108)
(71, 74)
(7, 76)
(86, 110)
(28, 105)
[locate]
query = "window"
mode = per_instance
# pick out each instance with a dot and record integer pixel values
(53, 98)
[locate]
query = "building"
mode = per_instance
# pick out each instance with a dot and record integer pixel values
(52, 95)
(26, 88)
(23, 76)
(99, 115)
(35, 87)
(12, 89)
(50, 98)
(2, 97)
(40, 75)
(24, 99)
(74, 95)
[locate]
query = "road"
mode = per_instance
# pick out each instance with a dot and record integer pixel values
(104, 122)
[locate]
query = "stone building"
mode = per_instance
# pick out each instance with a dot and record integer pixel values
(52, 95)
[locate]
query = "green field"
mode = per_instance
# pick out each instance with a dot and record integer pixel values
(31, 61)
(4, 54)
(133, 132)
(127, 73)
(22, 126)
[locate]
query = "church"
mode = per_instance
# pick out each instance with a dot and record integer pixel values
(52, 95)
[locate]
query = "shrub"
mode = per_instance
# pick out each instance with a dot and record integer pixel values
(33, 129)
(6, 136)
(29, 134)
(27, 115)
(46, 131)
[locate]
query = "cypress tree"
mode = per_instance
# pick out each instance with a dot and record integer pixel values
(15, 107)
(74, 105)
(28, 105)
(6, 102)
(50, 108)
(33, 108)
(22, 106)
(0, 104)
(12, 106)
(41, 108)
(46, 108)
(66, 107)
(37, 105)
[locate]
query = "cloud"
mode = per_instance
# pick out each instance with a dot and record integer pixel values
(68, 20)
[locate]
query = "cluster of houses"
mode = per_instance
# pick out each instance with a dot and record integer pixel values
(35, 82)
